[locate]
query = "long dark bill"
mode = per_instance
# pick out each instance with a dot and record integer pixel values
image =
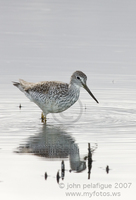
(87, 89)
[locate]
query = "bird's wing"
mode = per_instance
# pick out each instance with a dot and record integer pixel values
(46, 87)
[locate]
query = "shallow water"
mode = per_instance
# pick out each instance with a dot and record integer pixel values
(29, 148)
(36, 47)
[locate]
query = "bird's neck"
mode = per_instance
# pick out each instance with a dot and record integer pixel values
(74, 90)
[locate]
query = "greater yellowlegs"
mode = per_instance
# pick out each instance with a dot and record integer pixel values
(53, 96)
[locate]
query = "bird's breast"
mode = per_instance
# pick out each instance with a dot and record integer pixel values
(63, 102)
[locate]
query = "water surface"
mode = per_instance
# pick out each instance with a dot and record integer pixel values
(39, 44)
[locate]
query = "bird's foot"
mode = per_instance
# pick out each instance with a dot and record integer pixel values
(43, 118)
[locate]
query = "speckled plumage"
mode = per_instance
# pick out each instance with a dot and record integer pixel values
(53, 96)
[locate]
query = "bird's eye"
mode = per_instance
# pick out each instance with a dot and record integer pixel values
(78, 77)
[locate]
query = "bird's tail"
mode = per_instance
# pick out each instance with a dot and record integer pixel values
(23, 86)
(19, 85)
(16, 84)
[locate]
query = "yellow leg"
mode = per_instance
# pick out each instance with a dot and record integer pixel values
(43, 118)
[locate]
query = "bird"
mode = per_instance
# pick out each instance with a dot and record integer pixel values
(54, 96)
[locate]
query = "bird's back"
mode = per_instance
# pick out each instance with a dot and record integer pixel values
(48, 88)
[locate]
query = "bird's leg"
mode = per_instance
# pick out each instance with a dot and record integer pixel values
(43, 118)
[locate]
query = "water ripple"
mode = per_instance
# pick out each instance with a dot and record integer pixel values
(111, 117)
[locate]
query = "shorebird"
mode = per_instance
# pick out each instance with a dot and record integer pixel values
(54, 96)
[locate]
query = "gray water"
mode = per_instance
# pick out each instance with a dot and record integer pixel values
(48, 40)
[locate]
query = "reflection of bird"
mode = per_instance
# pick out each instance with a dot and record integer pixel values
(53, 96)
(54, 143)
